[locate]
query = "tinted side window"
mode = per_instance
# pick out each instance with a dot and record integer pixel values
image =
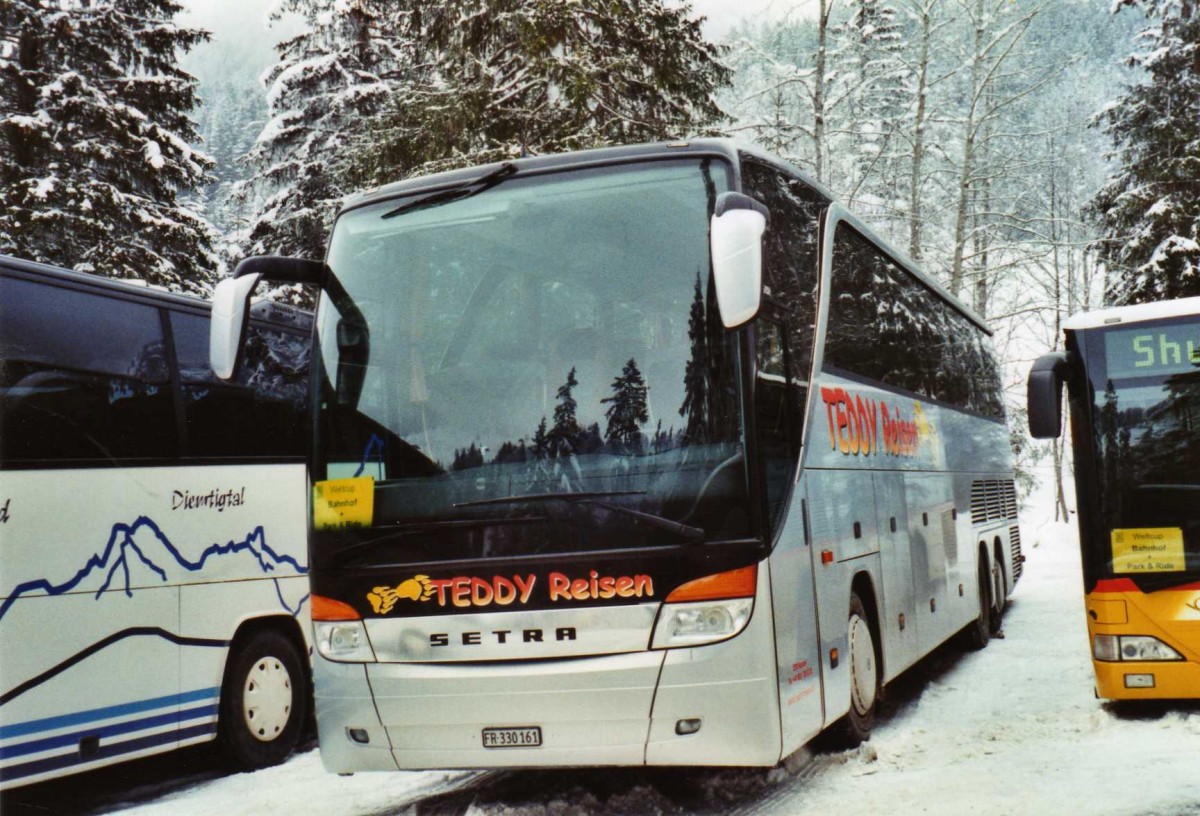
(886, 325)
(876, 325)
(83, 378)
(262, 413)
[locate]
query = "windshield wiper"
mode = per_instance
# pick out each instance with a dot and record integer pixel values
(419, 527)
(465, 190)
(659, 522)
(533, 497)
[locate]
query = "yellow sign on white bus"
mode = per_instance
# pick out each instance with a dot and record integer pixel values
(341, 503)
(1148, 549)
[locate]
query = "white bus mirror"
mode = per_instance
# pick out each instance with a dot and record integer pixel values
(1044, 395)
(227, 330)
(735, 239)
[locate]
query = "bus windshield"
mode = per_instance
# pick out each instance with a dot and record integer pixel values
(1145, 385)
(538, 367)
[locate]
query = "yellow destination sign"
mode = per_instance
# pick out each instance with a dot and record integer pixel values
(341, 503)
(1148, 549)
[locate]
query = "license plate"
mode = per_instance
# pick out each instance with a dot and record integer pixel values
(526, 737)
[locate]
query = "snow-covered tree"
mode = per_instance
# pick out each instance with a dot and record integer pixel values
(510, 77)
(874, 79)
(330, 81)
(1150, 212)
(95, 130)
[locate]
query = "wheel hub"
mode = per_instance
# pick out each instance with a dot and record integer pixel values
(267, 699)
(863, 678)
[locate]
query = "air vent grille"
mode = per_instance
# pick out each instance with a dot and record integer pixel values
(993, 499)
(1018, 560)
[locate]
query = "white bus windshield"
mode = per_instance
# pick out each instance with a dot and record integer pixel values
(552, 336)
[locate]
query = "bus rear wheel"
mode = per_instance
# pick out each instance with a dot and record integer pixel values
(263, 701)
(865, 679)
(999, 597)
(978, 632)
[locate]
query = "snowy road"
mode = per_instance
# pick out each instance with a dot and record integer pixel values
(1013, 729)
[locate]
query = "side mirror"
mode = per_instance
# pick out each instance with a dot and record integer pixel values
(231, 302)
(1044, 394)
(735, 238)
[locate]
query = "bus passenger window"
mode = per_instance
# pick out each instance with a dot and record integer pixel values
(271, 386)
(83, 377)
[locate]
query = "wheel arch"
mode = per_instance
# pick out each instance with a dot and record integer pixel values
(286, 625)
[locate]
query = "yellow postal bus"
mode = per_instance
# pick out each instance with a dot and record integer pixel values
(1133, 381)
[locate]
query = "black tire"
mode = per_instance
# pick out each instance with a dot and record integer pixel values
(978, 632)
(263, 701)
(999, 596)
(866, 680)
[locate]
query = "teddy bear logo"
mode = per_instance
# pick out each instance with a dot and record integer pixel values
(383, 598)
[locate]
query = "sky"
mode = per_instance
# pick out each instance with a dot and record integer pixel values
(722, 15)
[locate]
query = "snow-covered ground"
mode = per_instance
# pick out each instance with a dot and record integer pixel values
(1013, 729)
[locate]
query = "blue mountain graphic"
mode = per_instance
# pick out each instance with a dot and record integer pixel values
(113, 562)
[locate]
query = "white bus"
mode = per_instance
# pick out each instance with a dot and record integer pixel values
(153, 588)
(642, 456)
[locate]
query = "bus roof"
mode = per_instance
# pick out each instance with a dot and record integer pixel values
(720, 148)
(1138, 313)
(140, 290)
(116, 285)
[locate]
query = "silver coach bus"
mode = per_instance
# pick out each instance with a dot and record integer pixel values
(648, 455)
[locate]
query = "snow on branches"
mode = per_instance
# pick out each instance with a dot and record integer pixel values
(95, 131)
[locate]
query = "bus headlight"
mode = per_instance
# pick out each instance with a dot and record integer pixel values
(707, 610)
(694, 624)
(343, 641)
(1113, 648)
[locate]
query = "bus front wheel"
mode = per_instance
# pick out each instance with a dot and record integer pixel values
(855, 728)
(262, 701)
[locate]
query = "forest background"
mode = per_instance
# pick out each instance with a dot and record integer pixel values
(1039, 157)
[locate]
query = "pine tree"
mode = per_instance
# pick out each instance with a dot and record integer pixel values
(95, 130)
(1150, 212)
(330, 81)
(695, 377)
(627, 410)
(565, 435)
(511, 77)
(541, 445)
